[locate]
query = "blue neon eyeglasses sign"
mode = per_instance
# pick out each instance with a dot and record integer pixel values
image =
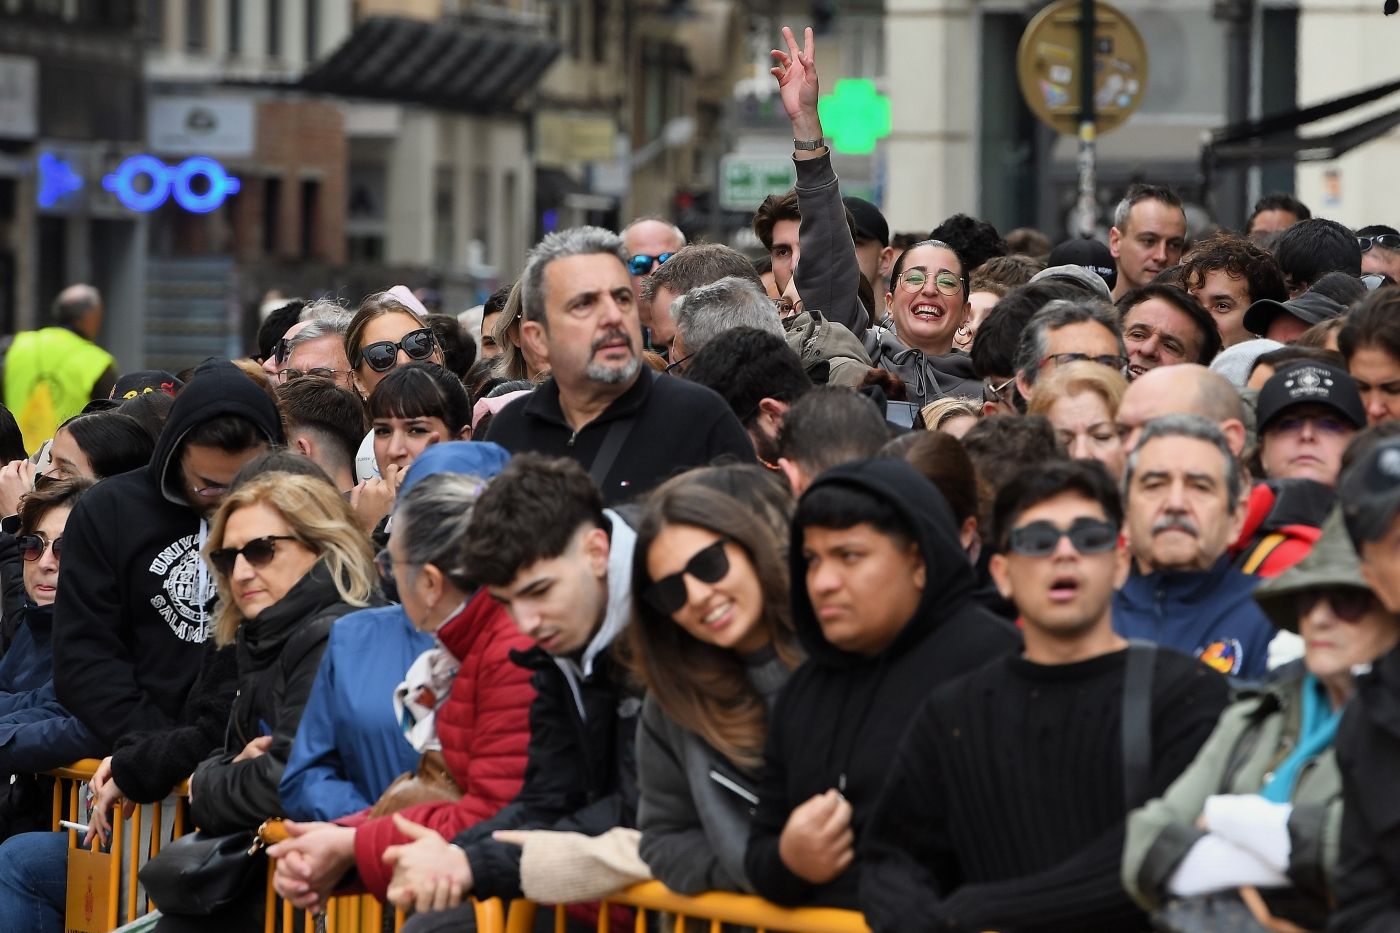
(166, 181)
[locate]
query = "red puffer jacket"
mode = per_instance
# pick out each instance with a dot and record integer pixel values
(484, 727)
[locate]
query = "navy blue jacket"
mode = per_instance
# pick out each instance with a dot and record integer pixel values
(1208, 614)
(36, 732)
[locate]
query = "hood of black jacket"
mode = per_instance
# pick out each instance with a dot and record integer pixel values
(217, 388)
(949, 579)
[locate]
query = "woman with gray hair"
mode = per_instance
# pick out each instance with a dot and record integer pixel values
(464, 703)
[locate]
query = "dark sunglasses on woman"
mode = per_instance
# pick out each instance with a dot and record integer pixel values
(1347, 604)
(708, 565)
(417, 344)
(258, 553)
(32, 547)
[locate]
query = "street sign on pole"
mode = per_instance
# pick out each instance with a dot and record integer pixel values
(1076, 102)
(745, 180)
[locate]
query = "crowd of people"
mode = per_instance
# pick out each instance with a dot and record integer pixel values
(957, 579)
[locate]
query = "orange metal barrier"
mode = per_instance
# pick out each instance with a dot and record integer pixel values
(713, 910)
(126, 837)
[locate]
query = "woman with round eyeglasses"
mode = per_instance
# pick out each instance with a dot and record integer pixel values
(928, 302)
(1260, 808)
(384, 334)
(288, 562)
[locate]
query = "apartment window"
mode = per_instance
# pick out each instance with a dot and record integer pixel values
(196, 26)
(272, 214)
(444, 217)
(310, 208)
(481, 212)
(600, 29)
(274, 29)
(155, 22)
(313, 30)
(235, 27)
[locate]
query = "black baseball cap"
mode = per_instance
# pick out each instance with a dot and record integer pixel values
(870, 223)
(1311, 382)
(1369, 492)
(1309, 307)
(1089, 253)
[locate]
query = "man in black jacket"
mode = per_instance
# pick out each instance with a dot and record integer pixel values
(882, 603)
(1006, 804)
(1367, 882)
(562, 565)
(131, 620)
(604, 407)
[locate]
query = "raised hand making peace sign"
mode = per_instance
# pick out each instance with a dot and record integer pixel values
(798, 86)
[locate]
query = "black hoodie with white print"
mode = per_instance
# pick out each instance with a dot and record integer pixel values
(839, 719)
(136, 604)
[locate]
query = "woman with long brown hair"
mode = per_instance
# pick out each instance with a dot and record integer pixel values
(713, 641)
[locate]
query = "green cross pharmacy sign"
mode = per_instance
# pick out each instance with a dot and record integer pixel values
(855, 116)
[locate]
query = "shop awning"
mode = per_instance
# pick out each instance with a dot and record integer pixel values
(444, 64)
(1276, 138)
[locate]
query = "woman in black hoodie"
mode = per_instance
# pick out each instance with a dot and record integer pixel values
(882, 601)
(288, 562)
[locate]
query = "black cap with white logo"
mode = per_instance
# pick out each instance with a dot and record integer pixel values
(1311, 382)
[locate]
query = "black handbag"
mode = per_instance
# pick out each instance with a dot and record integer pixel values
(201, 873)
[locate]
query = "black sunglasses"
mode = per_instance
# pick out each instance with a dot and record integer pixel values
(258, 552)
(641, 263)
(1088, 535)
(1347, 604)
(32, 547)
(418, 344)
(708, 565)
(1388, 240)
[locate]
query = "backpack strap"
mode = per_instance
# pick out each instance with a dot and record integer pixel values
(1137, 723)
(617, 435)
(1261, 552)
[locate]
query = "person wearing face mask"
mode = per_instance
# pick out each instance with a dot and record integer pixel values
(1261, 805)
(928, 296)
(463, 704)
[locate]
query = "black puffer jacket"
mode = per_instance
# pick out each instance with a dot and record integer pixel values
(841, 716)
(278, 653)
(1367, 883)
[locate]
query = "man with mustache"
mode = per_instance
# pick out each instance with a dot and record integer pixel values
(1184, 500)
(603, 407)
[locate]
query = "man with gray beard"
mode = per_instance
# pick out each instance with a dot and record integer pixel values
(603, 407)
(1184, 503)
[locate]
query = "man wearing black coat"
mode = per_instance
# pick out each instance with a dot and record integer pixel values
(629, 427)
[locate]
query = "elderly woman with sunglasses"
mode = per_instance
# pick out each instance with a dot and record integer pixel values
(1260, 808)
(36, 732)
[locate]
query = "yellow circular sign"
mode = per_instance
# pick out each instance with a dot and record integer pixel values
(1047, 64)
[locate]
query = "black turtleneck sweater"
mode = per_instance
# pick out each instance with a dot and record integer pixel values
(1004, 808)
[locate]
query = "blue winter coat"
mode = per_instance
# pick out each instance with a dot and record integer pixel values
(36, 731)
(349, 746)
(1208, 614)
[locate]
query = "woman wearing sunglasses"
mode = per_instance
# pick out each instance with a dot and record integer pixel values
(713, 641)
(38, 732)
(1261, 805)
(384, 334)
(288, 562)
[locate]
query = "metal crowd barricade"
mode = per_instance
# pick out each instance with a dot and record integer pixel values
(703, 913)
(127, 849)
(360, 913)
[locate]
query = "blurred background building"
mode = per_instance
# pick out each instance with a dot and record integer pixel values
(189, 156)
